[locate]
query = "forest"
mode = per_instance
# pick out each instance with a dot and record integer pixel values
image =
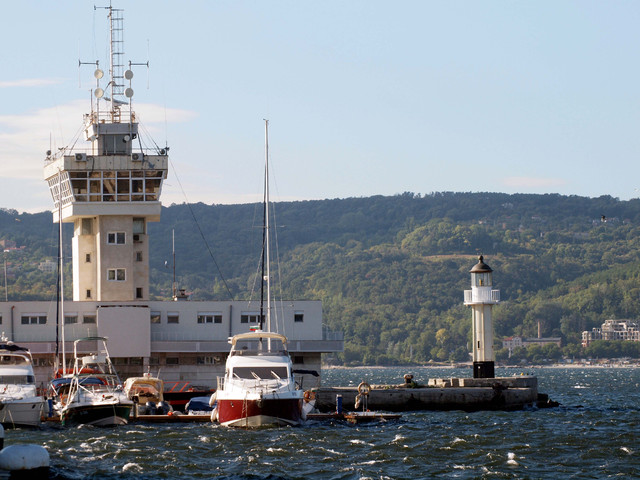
(391, 270)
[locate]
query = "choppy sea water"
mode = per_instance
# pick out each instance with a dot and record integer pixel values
(595, 433)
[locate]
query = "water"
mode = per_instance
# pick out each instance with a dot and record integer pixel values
(594, 434)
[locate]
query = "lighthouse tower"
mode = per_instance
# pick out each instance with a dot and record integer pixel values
(482, 297)
(109, 188)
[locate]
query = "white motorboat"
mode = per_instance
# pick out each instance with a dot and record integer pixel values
(93, 394)
(20, 404)
(259, 388)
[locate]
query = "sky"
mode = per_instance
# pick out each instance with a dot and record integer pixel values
(363, 97)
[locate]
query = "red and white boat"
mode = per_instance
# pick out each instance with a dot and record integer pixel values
(259, 388)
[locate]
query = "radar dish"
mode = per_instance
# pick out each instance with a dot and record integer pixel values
(98, 92)
(128, 74)
(98, 74)
(128, 92)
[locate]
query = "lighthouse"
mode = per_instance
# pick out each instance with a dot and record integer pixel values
(109, 188)
(481, 298)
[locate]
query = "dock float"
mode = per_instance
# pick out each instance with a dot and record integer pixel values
(355, 417)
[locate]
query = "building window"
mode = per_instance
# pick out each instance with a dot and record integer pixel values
(209, 318)
(155, 317)
(88, 293)
(88, 319)
(138, 256)
(154, 361)
(207, 360)
(116, 275)
(299, 359)
(138, 292)
(0, 319)
(298, 317)
(249, 318)
(173, 317)
(87, 226)
(138, 226)
(87, 258)
(71, 318)
(116, 238)
(172, 361)
(33, 319)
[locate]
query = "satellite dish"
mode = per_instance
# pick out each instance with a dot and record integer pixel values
(98, 73)
(128, 74)
(98, 92)
(128, 92)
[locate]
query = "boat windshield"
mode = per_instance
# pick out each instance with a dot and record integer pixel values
(264, 347)
(17, 379)
(13, 360)
(260, 373)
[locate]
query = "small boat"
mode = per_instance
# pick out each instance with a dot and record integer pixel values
(146, 393)
(259, 387)
(93, 394)
(20, 405)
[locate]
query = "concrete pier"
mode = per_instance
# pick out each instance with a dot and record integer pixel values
(468, 394)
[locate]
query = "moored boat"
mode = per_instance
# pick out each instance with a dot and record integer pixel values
(146, 393)
(259, 387)
(20, 405)
(93, 394)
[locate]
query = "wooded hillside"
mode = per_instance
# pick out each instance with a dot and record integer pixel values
(391, 271)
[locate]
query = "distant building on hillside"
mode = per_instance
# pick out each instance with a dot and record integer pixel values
(514, 342)
(613, 330)
(48, 266)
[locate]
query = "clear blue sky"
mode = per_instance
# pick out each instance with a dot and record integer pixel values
(364, 97)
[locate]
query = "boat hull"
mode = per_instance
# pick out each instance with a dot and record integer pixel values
(20, 413)
(259, 412)
(98, 415)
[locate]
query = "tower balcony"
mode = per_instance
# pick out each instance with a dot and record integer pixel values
(482, 295)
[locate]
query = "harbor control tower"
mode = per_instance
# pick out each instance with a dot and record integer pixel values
(110, 188)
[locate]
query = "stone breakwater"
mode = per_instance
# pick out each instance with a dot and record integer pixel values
(469, 394)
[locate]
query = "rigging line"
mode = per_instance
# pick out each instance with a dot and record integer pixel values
(201, 232)
(281, 301)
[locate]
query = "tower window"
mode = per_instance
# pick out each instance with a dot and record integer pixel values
(88, 293)
(87, 226)
(116, 275)
(138, 256)
(116, 238)
(138, 292)
(87, 258)
(138, 225)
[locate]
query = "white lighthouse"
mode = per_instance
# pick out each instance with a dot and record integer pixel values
(482, 297)
(109, 189)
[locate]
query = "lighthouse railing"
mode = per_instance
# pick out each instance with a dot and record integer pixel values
(481, 295)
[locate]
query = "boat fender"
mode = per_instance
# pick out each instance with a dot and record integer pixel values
(309, 395)
(364, 388)
(213, 398)
(358, 401)
(25, 458)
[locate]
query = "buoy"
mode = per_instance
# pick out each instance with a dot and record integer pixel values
(25, 459)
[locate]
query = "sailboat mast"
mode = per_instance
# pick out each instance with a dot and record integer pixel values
(61, 292)
(266, 223)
